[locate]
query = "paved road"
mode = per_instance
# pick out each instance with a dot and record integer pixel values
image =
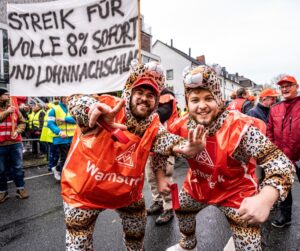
(37, 223)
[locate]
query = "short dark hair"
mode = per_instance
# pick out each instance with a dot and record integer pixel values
(240, 92)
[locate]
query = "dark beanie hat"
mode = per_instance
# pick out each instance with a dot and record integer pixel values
(3, 90)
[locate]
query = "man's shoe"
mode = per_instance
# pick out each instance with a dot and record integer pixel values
(3, 196)
(22, 193)
(56, 173)
(177, 247)
(155, 208)
(165, 217)
(282, 221)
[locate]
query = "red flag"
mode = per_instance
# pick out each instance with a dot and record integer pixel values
(13, 102)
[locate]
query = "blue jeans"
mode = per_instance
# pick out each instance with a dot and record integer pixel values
(11, 156)
(53, 155)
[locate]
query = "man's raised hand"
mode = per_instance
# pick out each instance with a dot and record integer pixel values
(106, 113)
(195, 144)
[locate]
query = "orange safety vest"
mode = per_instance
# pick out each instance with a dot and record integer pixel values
(101, 173)
(6, 128)
(165, 99)
(236, 104)
(214, 177)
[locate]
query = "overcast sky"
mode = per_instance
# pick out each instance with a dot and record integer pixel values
(259, 39)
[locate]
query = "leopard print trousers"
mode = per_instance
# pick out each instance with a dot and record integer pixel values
(80, 224)
(246, 237)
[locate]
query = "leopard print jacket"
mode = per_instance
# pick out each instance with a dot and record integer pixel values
(164, 141)
(279, 170)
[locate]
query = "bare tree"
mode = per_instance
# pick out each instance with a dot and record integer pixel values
(275, 80)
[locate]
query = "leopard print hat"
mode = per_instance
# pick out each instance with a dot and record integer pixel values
(205, 77)
(139, 71)
(151, 70)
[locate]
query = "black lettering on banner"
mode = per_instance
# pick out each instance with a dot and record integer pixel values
(43, 21)
(119, 35)
(13, 22)
(12, 51)
(24, 72)
(83, 73)
(72, 48)
(104, 8)
(35, 20)
(31, 49)
(134, 25)
(64, 19)
(32, 53)
(65, 74)
(107, 66)
(24, 16)
(55, 46)
(77, 44)
(98, 69)
(115, 7)
(30, 72)
(91, 72)
(47, 20)
(25, 48)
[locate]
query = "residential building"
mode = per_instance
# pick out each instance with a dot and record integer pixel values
(174, 61)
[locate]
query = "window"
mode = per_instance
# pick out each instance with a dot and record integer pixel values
(3, 56)
(170, 74)
(145, 59)
(220, 82)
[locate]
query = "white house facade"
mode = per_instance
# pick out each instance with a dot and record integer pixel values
(174, 62)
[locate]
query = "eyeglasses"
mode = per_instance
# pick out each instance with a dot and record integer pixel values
(139, 94)
(288, 86)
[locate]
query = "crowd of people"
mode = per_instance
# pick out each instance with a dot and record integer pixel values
(253, 150)
(47, 128)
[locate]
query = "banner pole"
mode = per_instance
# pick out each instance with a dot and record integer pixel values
(139, 32)
(12, 115)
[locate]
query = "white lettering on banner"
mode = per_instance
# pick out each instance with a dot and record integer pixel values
(112, 177)
(71, 47)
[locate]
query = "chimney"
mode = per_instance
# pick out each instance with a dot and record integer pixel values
(171, 42)
(190, 52)
(201, 59)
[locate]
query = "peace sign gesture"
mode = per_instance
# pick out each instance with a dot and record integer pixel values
(106, 113)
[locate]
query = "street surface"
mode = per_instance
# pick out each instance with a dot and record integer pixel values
(37, 224)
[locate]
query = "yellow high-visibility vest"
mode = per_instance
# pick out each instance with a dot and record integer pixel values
(35, 120)
(68, 129)
(46, 135)
(30, 120)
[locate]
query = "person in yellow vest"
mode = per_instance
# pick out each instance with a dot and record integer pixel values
(29, 122)
(223, 174)
(37, 126)
(62, 126)
(47, 137)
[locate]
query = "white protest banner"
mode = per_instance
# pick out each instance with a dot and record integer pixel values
(72, 46)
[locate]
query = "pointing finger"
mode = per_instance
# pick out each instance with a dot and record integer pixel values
(118, 107)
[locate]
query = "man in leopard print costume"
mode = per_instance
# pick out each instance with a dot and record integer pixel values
(115, 182)
(224, 173)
